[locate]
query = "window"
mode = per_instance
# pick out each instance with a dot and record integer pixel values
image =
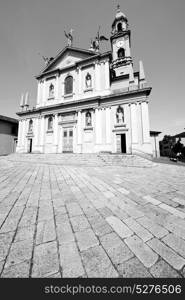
(70, 133)
(119, 27)
(65, 133)
(51, 91)
(30, 127)
(50, 123)
(68, 85)
(121, 53)
(88, 119)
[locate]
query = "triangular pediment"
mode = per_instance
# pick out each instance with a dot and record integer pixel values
(68, 56)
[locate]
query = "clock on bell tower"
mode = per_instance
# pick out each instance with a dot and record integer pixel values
(120, 43)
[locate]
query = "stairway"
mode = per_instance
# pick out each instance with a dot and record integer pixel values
(74, 159)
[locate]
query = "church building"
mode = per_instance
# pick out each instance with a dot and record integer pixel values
(88, 101)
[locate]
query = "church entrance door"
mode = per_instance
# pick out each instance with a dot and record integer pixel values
(121, 143)
(29, 145)
(68, 140)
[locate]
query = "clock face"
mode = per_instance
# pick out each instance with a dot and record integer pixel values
(120, 44)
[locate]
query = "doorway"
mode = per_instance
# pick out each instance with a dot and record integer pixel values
(30, 146)
(123, 143)
(68, 140)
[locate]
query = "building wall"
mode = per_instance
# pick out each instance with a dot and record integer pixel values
(155, 145)
(102, 136)
(7, 138)
(99, 71)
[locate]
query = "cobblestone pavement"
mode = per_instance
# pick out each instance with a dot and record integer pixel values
(91, 221)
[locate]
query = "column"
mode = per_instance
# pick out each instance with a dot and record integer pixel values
(98, 126)
(37, 129)
(44, 92)
(24, 131)
(103, 125)
(38, 93)
(107, 75)
(79, 80)
(19, 144)
(145, 122)
(56, 130)
(127, 43)
(42, 131)
(57, 88)
(97, 76)
(79, 126)
(108, 125)
(134, 122)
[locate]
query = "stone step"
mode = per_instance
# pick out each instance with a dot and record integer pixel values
(82, 159)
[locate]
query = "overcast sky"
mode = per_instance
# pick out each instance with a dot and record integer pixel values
(37, 26)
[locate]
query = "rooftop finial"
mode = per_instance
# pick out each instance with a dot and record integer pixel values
(118, 8)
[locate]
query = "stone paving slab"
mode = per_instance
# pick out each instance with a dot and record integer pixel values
(95, 218)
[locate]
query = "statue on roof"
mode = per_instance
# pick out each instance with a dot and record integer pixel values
(47, 60)
(69, 37)
(95, 44)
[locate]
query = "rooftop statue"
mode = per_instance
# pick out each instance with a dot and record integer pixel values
(47, 60)
(95, 44)
(69, 37)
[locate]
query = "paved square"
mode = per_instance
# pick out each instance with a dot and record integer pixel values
(85, 216)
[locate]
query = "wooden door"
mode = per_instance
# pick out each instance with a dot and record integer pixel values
(68, 140)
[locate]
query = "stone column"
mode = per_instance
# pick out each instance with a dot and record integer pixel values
(79, 80)
(98, 126)
(107, 75)
(97, 76)
(38, 93)
(19, 143)
(145, 122)
(108, 125)
(42, 132)
(56, 130)
(128, 52)
(57, 88)
(103, 125)
(79, 126)
(44, 93)
(37, 130)
(134, 123)
(23, 132)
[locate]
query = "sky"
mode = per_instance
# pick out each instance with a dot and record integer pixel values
(28, 28)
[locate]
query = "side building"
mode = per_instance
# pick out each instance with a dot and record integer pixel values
(90, 102)
(8, 135)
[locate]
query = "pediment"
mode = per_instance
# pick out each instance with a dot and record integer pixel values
(68, 56)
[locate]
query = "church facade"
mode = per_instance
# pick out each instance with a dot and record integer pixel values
(89, 102)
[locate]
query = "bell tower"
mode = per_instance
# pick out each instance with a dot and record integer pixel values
(120, 44)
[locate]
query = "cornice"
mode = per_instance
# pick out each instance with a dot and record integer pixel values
(94, 102)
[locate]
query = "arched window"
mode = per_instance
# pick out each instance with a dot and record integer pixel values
(50, 123)
(121, 53)
(51, 90)
(88, 119)
(119, 27)
(30, 127)
(68, 85)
